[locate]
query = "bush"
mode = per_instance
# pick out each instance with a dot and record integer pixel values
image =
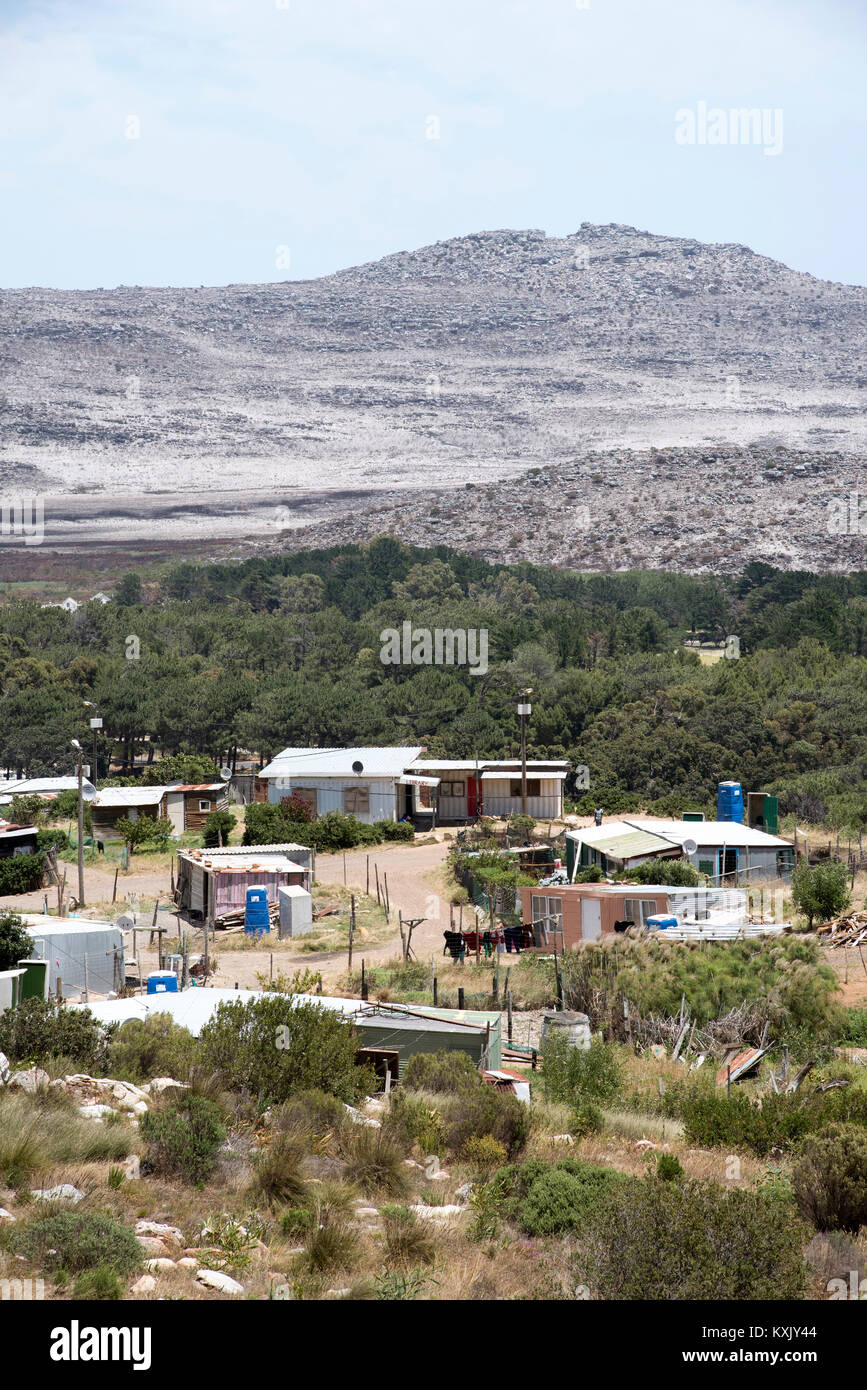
(446, 1072)
(375, 1161)
(547, 1198)
(41, 1028)
(678, 873)
(830, 1179)
(98, 1285)
(586, 1118)
(155, 1046)
(486, 1111)
(820, 892)
(713, 1118)
(854, 1027)
(15, 940)
(312, 1115)
(572, 1073)
(484, 1152)
(218, 823)
(645, 1239)
(669, 1168)
(408, 1241)
(394, 829)
(270, 1048)
(331, 1245)
(21, 873)
(183, 1139)
(278, 1174)
(75, 1241)
(413, 1120)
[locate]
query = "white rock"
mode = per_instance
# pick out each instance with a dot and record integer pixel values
(215, 1279)
(4, 1068)
(7, 1215)
(63, 1192)
(162, 1083)
(646, 1144)
(444, 1213)
(562, 1139)
(160, 1230)
(95, 1111)
(368, 1213)
(440, 1176)
(156, 1249)
(359, 1119)
(338, 1293)
(187, 1262)
(146, 1284)
(465, 1191)
(162, 1263)
(29, 1080)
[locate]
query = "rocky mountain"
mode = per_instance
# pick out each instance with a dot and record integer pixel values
(253, 409)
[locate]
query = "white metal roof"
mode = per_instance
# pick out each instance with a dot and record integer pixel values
(34, 786)
(337, 762)
(130, 796)
(483, 765)
(247, 862)
(509, 775)
(712, 833)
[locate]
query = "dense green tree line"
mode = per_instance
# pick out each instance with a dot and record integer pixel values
(286, 650)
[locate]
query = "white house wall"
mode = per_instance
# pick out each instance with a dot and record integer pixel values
(384, 793)
(498, 801)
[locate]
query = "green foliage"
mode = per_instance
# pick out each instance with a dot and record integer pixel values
(586, 1118)
(145, 830)
(269, 1049)
(15, 940)
(278, 1174)
(669, 1168)
(402, 1285)
(407, 1240)
(154, 1046)
(487, 1110)
(76, 1241)
(183, 1138)
(441, 1072)
(650, 1240)
(375, 1161)
(675, 872)
(39, 1131)
(33, 810)
(394, 830)
(41, 1028)
(574, 1074)
(830, 1178)
(711, 1117)
(484, 1152)
(21, 873)
(216, 824)
(313, 1115)
(549, 1198)
(854, 1027)
(413, 1120)
(820, 892)
(97, 1285)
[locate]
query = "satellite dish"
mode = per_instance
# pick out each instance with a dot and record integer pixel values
(689, 846)
(226, 774)
(357, 766)
(126, 923)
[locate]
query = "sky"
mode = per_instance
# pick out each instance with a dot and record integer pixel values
(209, 142)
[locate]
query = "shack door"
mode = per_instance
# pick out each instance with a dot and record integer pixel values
(591, 919)
(473, 796)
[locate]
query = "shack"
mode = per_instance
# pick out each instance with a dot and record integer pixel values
(17, 839)
(84, 957)
(214, 882)
(125, 803)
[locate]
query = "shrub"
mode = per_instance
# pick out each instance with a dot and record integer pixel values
(15, 940)
(270, 1048)
(217, 824)
(332, 1245)
(665, 1240)
(98, 1285)
(41, 1028)
(21, 873)
(669, 1168)
(39, 1131)
(75, 1241)
(407, 1240)
(586, 1118)
(311, 1115)
(854, 1027)
(413, 1120)
(547, 1198)
(375, 1162)
(278, 1175)
(572, 1073)
(712, 1117)
(821, 891)
(448, 1072)
(153, 1046)
(394, 830)
(830, 1179)
(485, 1152)
(678, 873)
(183, 1138)
(486, 1111)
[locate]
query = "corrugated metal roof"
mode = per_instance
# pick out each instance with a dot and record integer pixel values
(50, 786)
(337, 762)
(711, 833)
(482, 765)
(633, 843)
(130, 796)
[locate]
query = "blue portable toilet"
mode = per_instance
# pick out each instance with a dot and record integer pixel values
(730, 802)
(660, 922)
(256, 916)
(162, 982)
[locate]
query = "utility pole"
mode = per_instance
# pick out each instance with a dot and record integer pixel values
(77, 745)
(524, 708)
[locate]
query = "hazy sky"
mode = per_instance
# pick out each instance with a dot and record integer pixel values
(346, 129)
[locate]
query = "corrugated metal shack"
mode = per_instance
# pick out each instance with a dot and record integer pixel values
(83, 955)
(214, 882)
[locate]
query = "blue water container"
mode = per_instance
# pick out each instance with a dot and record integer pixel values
(162, 982)
(256, 918)
(730, 802)
(660, 923)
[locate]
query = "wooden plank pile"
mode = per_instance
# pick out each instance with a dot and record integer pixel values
(848, 930)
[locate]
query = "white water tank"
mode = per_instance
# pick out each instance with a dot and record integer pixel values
(574, 1027)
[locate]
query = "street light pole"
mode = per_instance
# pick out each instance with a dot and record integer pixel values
(77, 745)
(524, 709)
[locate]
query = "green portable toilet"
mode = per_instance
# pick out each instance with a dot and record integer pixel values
(34, 983)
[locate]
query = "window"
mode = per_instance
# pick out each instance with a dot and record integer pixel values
(204, 805)
(452, 789)
(356, 800)
(545, 907)
(639, 909)
(533, 787)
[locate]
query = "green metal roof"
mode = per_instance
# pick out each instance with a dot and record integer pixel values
(633, 843)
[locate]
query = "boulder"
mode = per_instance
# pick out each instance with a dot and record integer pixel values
(146, 1284)
(64, 1192)
(359, 1119)
(29, 1080)
(95, 1111)
(4, 1068)
(7, 1215)
(159, 1231)
(444, 1213)
(153, 1247)
(160, 1264)
(187, 1262)
(163, 1083)
(215, 1279)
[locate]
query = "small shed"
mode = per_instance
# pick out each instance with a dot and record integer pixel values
(214, 882)
(296, 910)
(125, 803)
(17, 839)
(83, 956)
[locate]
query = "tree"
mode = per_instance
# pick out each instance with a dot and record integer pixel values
(15, 940)
(128, 593)
(821, 891)
(830, 1178)
(218, 827)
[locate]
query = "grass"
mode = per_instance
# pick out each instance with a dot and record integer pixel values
(530, 980)
(376, 1163)
(35, 1135)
